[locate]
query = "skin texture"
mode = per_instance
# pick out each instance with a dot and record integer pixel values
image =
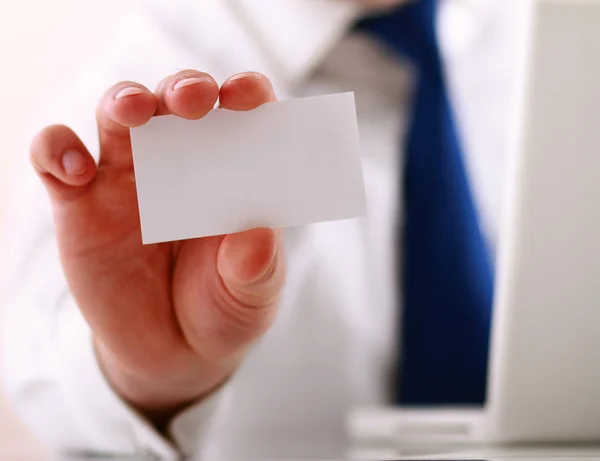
(171, 322)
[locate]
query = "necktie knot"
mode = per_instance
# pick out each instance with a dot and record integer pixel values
(409, 30)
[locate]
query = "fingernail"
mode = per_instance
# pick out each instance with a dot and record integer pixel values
(187, 82)
(73, 163)
(245, 75)
(237, 77)
(129, 91)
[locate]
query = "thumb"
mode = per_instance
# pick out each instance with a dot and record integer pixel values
(251, 266)
(230, 292)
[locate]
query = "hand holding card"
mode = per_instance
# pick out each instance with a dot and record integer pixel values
(172, 321)
(285, 163)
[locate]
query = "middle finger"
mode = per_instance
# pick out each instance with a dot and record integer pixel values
(189, 94)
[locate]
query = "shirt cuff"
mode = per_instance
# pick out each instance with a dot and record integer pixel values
(108, 424)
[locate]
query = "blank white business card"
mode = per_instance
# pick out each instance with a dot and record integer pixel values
(285, 163)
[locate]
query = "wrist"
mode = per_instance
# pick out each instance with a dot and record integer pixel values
(159, 398)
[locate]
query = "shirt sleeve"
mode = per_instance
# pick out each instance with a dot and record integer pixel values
(55, 384)
(50, 372)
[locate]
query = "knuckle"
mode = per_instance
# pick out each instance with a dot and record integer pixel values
(244, 320)
(227, 326)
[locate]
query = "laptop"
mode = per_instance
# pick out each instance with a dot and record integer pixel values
(544, 373)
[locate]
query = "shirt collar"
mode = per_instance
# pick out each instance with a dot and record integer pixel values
(296, 34)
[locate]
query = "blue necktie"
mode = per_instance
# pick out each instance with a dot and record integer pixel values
(447, 281)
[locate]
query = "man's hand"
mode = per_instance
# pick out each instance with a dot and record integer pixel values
(171, 321)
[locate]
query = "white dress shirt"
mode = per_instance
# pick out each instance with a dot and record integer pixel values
(334, 344)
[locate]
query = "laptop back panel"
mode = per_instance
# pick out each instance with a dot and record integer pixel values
(545, 354)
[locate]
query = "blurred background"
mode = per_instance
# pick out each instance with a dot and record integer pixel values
(40, 42)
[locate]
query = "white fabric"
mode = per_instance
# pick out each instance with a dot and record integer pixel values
(333, 344)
